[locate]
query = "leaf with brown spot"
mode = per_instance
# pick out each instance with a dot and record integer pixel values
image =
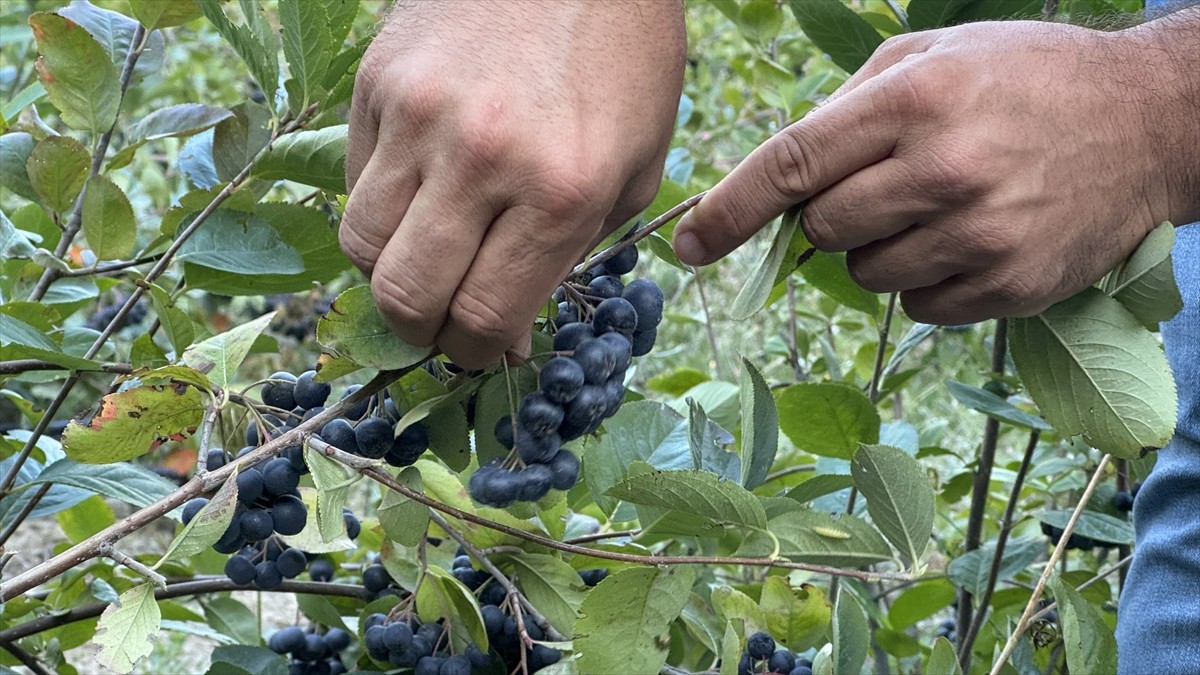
(133, 422)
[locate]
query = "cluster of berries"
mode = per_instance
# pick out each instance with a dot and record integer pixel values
(598, 334)
(378, 583)
(1076, 541)
(1123, 500)
(761, 657)
(312, 653)
(425, 647)
(948, 629)
(105, 313)
(368, 430)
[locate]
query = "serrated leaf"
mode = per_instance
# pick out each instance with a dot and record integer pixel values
(720, 503)
(441, 595)
(128, 483)
(1095, 371)
(633, 609)
(242, 243)
(256, 48)
(899, 497)
(115, 33)
(237, 140)
(133, 422)
(1090, 645)
(1093, 525)
(58, 168)
(814, 537)
(219, 356)
(825, 418)
(970, 570)
(838, 31)
(333, 481)
(15, 149)
(551, 585)
(178, 121)
(354, 329)
(926, 14)
(161, 14)
(316, 158)
(798, 618)
(306, 45)
(108, 221)
(942, 658)
(758, 286)
(760, 427)
(404, 520)
(206, 527)
(87, 98)
(851, 635)
(1145, 283)
(992, 405)
(125, 632)
(707, 441)
(426, 400)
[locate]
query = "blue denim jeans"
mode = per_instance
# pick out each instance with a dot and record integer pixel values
(1158, 625)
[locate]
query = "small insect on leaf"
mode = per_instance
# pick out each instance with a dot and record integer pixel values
(831, 532)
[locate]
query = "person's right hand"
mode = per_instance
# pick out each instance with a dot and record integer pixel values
(491, 145)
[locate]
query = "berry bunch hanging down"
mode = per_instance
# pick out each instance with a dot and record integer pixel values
(762, 657)
(312, 653)
(368, 430)
(601, 325)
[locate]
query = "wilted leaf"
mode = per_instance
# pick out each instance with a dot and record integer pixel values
(133, 422)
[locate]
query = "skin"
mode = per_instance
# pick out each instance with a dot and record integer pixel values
(492, 144)
(983, 170)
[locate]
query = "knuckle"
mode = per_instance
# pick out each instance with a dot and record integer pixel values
(482, 142)
(921, 308)
(866, 271)
(476, 315)
(1008, 290)
(361, 251)
(817, 228)
(567, 187)
(955, 174)
(790, 168)
(396, 300)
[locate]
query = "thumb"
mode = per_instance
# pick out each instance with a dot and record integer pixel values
(834, 141)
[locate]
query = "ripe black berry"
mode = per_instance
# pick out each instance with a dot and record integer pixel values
(215, 459)
(571, 335)
(564, 470)
(647, 300)
(615, 315)
(288, 515)
(360, 410)
(1123, 501)
(374, 436)
(192, 508)
(568, 312)
(584, 413)
(760, 646)
(286, 640)
(504, 430)
(605, 287)
(376, 578)
(240, 570)
(257, 525)
(623, 262)
(539, 415)
(309, 392)
(291, 563)
(267, 576)
(643, 341)
(781, 661)
(596, 359)
(279, 391)
(622, 350)
(279, 477)
(561, 379)
(340, 435)
(320, 570)
(535, 482)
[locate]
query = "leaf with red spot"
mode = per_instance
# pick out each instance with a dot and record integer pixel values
(80, 78)
(134, 422)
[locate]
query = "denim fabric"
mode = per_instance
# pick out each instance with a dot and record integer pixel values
(1158, 626)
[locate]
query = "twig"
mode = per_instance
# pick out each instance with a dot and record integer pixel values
(600, 536)
(640, 233)
(110, 267)
(798, 468)
(177, 589)
(25, 657)
(1031, 607)
(93, 546)
(708, 326)
(1119, 565)
(381, 476)
(17, 366)
(793, 324)
(968, 640)
(123, 559)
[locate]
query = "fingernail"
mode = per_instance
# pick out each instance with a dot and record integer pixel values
(689, 248)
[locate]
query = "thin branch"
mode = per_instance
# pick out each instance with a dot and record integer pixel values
(601, 536)
(144, 570)
(17, 366)
(25, 657)
(178, 589)
(1121, 565)
(110, 267)
(708, 326)
(94, 545)
(639, 234)
(968, 640)
(26, 509)
(1031, 607)
(379, 475)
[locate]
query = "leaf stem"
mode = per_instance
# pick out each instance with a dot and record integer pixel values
(639, 234)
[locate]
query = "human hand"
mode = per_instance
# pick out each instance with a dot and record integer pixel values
(984, 170)
(489, 150)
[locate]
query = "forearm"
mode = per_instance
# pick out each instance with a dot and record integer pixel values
(1170, 68)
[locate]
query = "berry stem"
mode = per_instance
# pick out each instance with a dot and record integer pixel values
(639, 234)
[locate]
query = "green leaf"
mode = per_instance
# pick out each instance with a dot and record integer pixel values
(87, 98)
(220, 355)
(827, 272)
(760, 20)
(1090, 645)
(310, 538)
(14, 331)
(237, 140)
(445, 420)
(829, 419)
(814, 537)
(175, 322)
(404, 520)
(316, 158)
(1094, 525)
(734, 606)
(85, 519)
(30, 95)
(760, 427)
(970, 570)
(321, 610)
(115, 33)
(920, 602)
(333, 481)
(234, 619)
(731, 650)
(15, 149)
(256, 48)
(926, 14)
(700, 494)
(354, 329)
(819, 486)
(306, 45)
(160, 14)
(1093, 370)
(108, 220)
(58, 168)
(233, 241)
(835, 29)
(631, 609)
(243, 660)
(676, 382)
(551, 585)
(993, 406)
(706, 443)
(441, 595)
(133, 422)
(899, 497)
(1145, 283)
(758, 287)
(178, 121)
(942, 659)
(851, 635)
(798, 618)
(128, 483)
(126, 630)
(206, 527)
